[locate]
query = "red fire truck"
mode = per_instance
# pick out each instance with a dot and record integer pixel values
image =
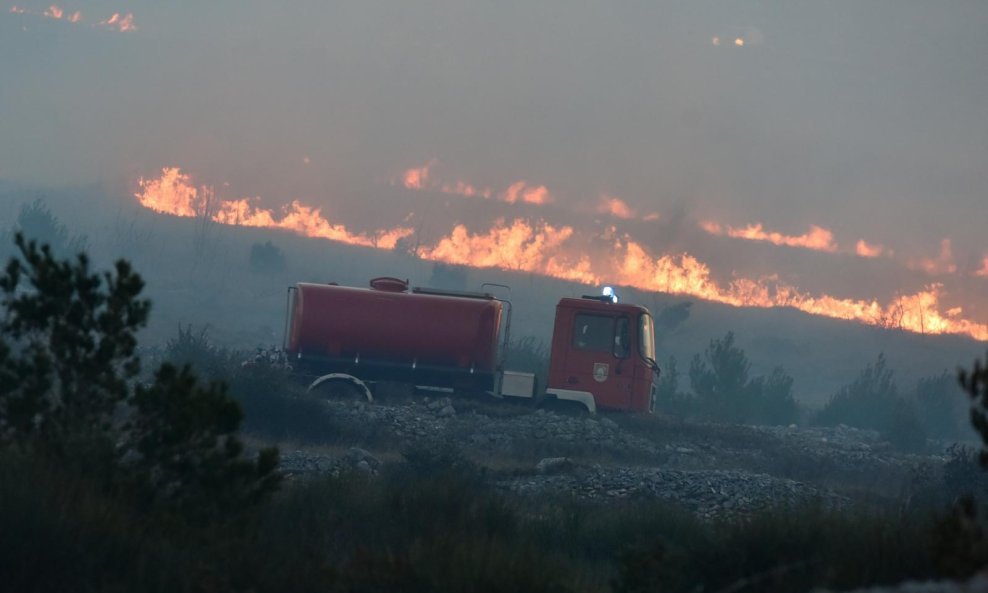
(602, 355)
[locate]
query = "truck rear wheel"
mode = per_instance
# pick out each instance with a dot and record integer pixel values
(563, 407)
(340, 387)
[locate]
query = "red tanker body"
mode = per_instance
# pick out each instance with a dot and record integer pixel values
(602, 356)
(386, 332)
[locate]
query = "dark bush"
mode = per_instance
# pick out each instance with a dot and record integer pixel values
(872, 401)
(37, 223)
(941, 405)
(193, 348)
(266, 258)
(724, 391)
(529, 355)
(448, 276)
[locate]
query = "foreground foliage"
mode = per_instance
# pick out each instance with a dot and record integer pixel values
(434, 522)
(69, 396)
(109, 485)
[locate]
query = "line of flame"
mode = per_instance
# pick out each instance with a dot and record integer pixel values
(542, 248)
(174, 193)
(537, 248)
(421, 179)
(817, 238)
(117, 21)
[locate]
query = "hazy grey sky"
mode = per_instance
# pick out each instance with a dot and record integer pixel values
(869, 117)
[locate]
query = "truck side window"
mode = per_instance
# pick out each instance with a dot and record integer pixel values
(593, 332)
(622, 339)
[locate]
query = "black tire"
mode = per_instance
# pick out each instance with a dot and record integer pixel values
(340, 390)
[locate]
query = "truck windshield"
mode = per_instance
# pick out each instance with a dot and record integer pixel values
(646, 335)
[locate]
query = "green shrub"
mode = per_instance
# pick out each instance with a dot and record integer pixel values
(276, 406)
(197, 351)
(724, 391)
(872, 401)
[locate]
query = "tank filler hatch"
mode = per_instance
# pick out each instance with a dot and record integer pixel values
(389, 284)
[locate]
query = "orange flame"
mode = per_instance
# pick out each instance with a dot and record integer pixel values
(417, 178)
(521, 191)
(866, 249)
(544, 249)
(119, 22)
(421, 179)
(520, 246)
(173, 193)
(984, 268)
(685, 274)
(540, 249)
(941, 264)
(122, 23)
(817, 238)
(616, 207)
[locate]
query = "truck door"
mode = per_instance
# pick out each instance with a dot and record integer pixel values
(597, 358)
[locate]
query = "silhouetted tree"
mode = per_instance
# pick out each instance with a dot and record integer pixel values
(67, 355)
(939, 405)
(872, 401)
(959, 543)
(975, 383)
(867, 402)
(776, 402)
(668, 388)
(68, 365)
(720, 381)
(37, 222)
(719, 377)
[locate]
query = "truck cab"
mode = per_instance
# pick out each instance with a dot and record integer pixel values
(603, 355)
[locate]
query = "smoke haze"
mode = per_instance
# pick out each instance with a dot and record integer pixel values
(858, 130)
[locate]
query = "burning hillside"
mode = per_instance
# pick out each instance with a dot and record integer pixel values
(581, 255)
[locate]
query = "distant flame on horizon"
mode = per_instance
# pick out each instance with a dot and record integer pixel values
(120, 22)
(539, 248)
(421, 179)
(984, 268)
(817, 238)
(871, 250)
(615, 206)
(939, 265)
(545, 249)
(174, 193)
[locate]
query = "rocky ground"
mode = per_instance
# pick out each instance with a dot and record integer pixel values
(715, 470)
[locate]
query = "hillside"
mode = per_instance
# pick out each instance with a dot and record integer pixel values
(213, 286)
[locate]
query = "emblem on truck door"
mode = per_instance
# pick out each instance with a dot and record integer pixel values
(600, 371)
